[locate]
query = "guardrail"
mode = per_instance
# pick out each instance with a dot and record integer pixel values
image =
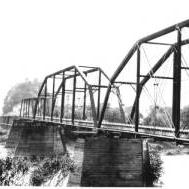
(7, 120)
(143, 130)
(119, 127)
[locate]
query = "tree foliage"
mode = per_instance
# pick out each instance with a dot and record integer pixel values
(185, 117)
(14, 96)
(161, 116)
(158, 116)
(153, 168)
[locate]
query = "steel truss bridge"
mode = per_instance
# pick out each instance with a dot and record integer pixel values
(61, 92)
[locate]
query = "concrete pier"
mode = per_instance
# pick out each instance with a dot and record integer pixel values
(109, 162)
(31, 138)
(101, 161)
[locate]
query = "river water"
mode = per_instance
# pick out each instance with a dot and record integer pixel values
(175, 171)
(3, 152)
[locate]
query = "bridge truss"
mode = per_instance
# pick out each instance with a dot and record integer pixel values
(74, 81)
(44, 104)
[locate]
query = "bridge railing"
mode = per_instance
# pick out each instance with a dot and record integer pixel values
(7, 120)
(117, 127)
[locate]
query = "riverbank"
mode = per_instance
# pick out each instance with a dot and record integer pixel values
(175, 165)
(173, 156)
(35, 171)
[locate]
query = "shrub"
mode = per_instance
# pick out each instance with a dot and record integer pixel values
(153, 168)
(36, 178)
(50, 166)
(44, 168)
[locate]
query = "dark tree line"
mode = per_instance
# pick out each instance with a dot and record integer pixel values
(22, 90)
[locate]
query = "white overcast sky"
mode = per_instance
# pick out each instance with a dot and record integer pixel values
(40, 37)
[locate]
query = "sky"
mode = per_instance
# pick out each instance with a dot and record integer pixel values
(39, 37)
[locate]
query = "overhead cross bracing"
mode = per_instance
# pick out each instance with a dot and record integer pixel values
(98, 93)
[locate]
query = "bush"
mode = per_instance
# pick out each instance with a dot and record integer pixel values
(49, 167)
(37, 178)
(45, 168)
(153, 168)
(9, 167)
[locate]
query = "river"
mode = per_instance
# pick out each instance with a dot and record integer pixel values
(175, 171)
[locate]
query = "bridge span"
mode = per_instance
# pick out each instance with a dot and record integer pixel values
(84, 127)
(83, 92)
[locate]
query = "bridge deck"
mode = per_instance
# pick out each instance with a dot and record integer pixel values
(160, 133)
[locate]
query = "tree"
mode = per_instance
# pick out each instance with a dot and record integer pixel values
(184, 117)
(27, 89)
(158, 116)
(113, 114)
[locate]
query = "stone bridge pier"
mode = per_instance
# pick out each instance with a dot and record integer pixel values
(28, 138)
(101, 161)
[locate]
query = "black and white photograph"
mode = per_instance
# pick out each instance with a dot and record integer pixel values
(94, 93)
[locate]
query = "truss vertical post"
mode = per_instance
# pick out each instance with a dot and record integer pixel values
(40, 107)
(84, 100)
(37, 112)
(37, 109)
(21, 108)
(52, 107)
(44, 101)
(137, 90)
(105, 104)
(27, 102)
(63, 97)
(25, 107)
(33, 104)
(99, 91)
(28, 107)
(73, 99)
(177, 84)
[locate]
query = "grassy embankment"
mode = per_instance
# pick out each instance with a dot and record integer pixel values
(32, 171)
